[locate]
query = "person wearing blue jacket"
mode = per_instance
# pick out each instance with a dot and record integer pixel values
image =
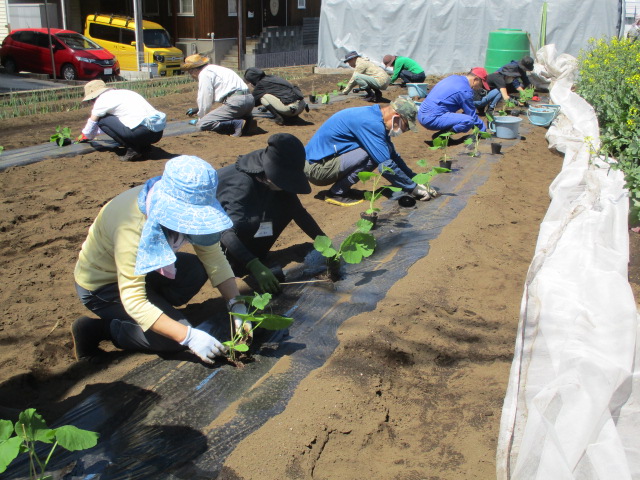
(439, 111)
(359, 139)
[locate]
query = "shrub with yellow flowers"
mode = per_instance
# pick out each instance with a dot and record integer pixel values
(610, 81)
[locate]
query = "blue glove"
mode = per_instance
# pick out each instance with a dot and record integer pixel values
(193, 122)
(192, 111)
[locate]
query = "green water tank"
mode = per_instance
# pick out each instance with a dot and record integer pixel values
(505, 44)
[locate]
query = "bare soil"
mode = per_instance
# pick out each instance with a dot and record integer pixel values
(415, 388)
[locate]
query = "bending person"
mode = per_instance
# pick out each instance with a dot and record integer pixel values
(282, 99)
(260, 195)
(439, 111)
(129, 274)
(404, 68)
(123, 115)
(368, 76)
(223, 85)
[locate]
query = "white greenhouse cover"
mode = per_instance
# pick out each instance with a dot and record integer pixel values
(572, 405)
(446, 36)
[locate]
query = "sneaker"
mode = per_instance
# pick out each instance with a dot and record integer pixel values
(130, 156)
(87, 333)
(342, 200)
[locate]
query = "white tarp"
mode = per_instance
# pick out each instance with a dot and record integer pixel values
(572, 408)
(446, 36)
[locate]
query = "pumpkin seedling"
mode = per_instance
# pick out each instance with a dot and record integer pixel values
(376, 193)
(1, 149)
(425, 178)
(342, 85)
(441, 142)
(474, 139)
(62, 136)
(254, 318)
(31, 428)
(527, 94)
(326, 97)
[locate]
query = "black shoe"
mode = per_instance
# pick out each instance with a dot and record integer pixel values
(480, 111)
(130, 156)
(87, 333)
(276, 115)
(341, 200)
(378, 96)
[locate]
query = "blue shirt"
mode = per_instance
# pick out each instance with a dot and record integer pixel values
(448, 96)
(360, 127)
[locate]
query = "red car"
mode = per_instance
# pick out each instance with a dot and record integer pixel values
(74, 55)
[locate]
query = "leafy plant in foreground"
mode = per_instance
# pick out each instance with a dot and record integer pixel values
(476, 135)
(376, 192)
(31, 428)
(62, 136)
(353, 249)
(254, 318)
(441, 142)
(527, 94)
(425, 178)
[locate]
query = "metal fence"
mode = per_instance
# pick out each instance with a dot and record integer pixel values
(287, 59)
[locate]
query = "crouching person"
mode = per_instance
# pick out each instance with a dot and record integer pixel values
(125, 116)
(282, 99)
(131, 275)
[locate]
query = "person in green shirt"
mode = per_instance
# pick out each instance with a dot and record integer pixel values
(404, 68)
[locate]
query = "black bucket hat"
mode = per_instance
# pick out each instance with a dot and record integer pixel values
(350, 56)
(526, 63)
(282, 163)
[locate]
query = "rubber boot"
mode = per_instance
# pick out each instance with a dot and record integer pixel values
(226, 128)
(377, 94)
(276, 115)
(370, 95)
(87, 334)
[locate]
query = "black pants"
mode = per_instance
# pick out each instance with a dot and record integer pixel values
(138, 138)
(409, 77)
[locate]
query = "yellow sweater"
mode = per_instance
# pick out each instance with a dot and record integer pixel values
(109, 253)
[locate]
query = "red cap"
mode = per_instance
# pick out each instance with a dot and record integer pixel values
(482, 74)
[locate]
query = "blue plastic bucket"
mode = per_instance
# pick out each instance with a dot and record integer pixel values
(543, 115)
(506, 127)
(417, 90)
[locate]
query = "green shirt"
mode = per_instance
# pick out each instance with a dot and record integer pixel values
(405, 63)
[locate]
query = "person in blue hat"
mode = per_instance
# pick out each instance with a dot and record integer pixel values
(132, 276)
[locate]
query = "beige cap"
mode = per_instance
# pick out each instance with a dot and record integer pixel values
(194, 61)
(94, 89)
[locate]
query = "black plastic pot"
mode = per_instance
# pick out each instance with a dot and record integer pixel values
(515, 113)
(445, 164)
(312, 98)
(407, 201)
(496, 148)
(372, 217)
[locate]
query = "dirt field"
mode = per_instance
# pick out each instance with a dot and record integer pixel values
(431, 410)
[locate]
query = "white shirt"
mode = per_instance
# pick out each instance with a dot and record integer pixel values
(130, 107)
(215, 83)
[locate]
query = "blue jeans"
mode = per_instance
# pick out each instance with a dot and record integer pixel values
(492, 98)
(163, 292)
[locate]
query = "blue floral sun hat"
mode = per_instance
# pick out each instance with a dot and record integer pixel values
(184, 200)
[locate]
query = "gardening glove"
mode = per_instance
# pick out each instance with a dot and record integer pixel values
(236, 306)
(421, 193)
(192, 111)
(82, 138)
(193, 122)
(265, 277)
(203, 345)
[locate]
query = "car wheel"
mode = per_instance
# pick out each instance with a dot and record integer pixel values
(10, 66)
(68, 72)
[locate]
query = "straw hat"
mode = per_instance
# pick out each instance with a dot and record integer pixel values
(94, 89)
(194, 61)
(389, 59)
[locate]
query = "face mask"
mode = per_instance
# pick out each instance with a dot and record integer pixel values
(204, 240)
(395, 131)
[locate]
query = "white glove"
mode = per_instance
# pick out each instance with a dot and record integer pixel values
(423, 193)
(91, 129)
(240, 307)
(203, 345)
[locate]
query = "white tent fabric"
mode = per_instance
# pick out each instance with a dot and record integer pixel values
(446, 36)
(572, 408)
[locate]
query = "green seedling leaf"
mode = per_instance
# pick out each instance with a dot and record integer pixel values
(240, 347)
(6, 429)
(1, 149)
(393, 189)
(275, 322)
(9, 450)
(261, 301)
(386, 169)
(364, 225)
(422, 162)
(440, 170)
(370, 211)
(485, 134)
(469, 141)
(323, 245)
(32, 427)
(73, 438)
(364, 176)
(423, 178)
(357, 246)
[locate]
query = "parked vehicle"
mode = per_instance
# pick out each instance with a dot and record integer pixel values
(74, 56)
(118, 35)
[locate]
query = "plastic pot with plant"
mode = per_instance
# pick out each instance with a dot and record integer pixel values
(354, 248)
(62, 136)
(526, 95)
(242, 333)
(371, 214)
(31, 428)
(475, 136)
(441, 142)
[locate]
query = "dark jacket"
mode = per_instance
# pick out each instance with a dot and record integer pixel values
(273, 85)
(248, 202)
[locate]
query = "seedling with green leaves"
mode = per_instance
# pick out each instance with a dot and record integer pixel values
(325, 98)
(527, 94)
(62, 136)
(424, 178)
(353, 249)
(441, 142)
(1, 149)
(31, 428)
(342, 85)
(376, 188)
(254, 318)
(474, 139)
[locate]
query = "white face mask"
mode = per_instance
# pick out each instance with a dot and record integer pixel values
(395, 131)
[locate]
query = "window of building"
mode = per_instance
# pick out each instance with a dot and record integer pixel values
(232, 8)
(186, 7)
(302, 4)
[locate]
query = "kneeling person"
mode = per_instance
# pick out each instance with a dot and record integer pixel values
(282, 99)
